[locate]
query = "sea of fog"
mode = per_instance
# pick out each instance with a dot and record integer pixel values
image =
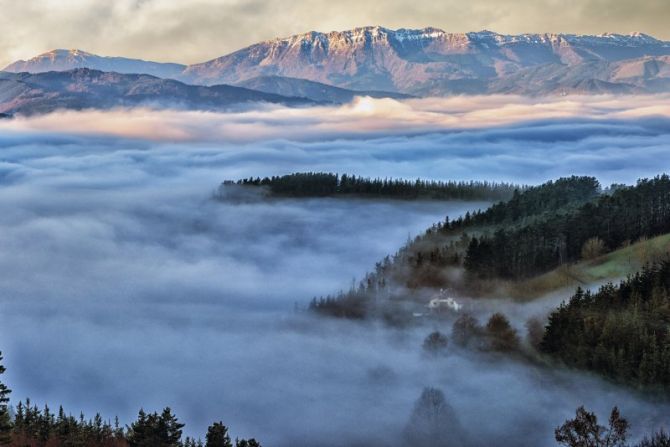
(124, 285)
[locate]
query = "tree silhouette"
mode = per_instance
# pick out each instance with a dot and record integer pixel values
(217, 436)
(584, 430)
(433, 422)
(5, 419)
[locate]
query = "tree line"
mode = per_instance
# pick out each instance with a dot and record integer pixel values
(553, 196)
(322, 184)
(432, 422)
(27, 425)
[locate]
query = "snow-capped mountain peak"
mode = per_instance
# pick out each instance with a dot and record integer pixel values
(424, 61)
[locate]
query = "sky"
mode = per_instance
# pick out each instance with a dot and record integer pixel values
(200, 30)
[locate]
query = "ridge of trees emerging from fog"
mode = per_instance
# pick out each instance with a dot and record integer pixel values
(322, 184)
(536, 231)
(448, 244)
(621, 332)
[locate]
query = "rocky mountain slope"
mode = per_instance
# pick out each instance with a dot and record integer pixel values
(433, 62)
(423, 62)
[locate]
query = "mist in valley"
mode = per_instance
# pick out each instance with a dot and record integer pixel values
(125, 285)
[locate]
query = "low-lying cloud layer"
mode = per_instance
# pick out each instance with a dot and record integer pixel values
(363, 118)
(125, 285)
(619, 139)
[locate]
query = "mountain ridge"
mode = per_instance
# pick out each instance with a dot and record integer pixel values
(315, 91)
(417, 62)
(83, 88)
(65, 60)
(424, 62)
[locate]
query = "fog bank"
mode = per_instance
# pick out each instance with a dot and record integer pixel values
(125, 285)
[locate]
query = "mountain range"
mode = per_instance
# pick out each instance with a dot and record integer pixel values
(64, 60)
(432, 62)
(83, 88)
(373, 61)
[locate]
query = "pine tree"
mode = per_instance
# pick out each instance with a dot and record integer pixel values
(5, 420)
(171, 428)
(217, 436)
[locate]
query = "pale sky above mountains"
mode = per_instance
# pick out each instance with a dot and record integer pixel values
(199, 30)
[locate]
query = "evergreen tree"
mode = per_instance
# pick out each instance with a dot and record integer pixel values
(620, 331)
(501, 335)
(5, 420)
(217, 436)
(466, 330)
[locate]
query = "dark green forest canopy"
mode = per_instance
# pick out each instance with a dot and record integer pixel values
(322, 184)
(551, 197)
(32, 426)
(625, 215)
(621, 332)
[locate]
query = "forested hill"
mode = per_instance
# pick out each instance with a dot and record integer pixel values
(536, 231)
(622, 332)
(321, 184)
(613, 220)
(551, 197)
(430, 260)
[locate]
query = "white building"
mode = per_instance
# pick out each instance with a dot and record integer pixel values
(442, 301)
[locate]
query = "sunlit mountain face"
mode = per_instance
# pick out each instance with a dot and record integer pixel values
(419, 62)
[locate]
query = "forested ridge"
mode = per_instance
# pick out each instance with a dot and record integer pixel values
(622, 331)
(427, 260)
(551, 197)
(627, 214)
(537, 230)
(322, 184)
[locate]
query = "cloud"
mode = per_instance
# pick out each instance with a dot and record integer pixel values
(503, 138)
(204, 29)
(364, 117)
(124, 285)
